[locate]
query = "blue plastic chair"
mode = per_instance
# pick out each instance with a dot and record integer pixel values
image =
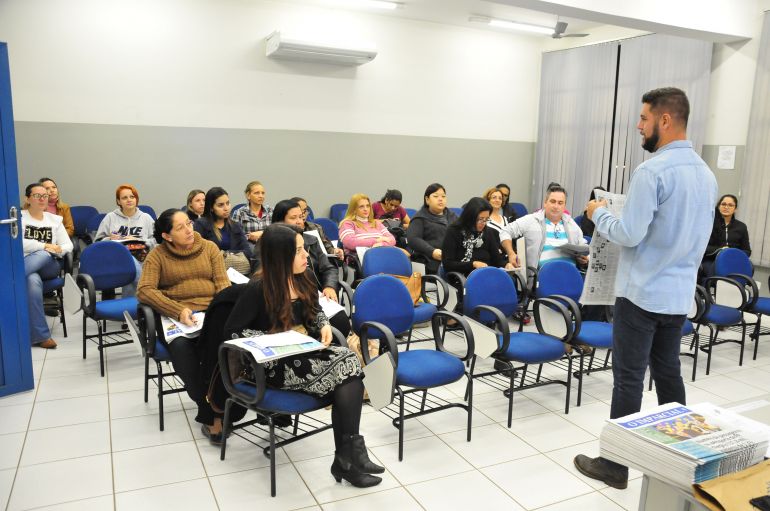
(148, 210)
(105, 266)
(337, 212)
(456, 211)
(386, 305)
(393, 261)
(330, 228)
(93, 225)
(80, 217)
(56, 285)
(519, 208)
(410, 211)
(490, 297)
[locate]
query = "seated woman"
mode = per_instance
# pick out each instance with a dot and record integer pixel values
(181, 276)
(428, 226)
(360, 229)
(324, 274)
(126, 224)
(312, 226)
(196, 201)
(256, 215)
(215, 225)
(389, 207)
(508, 210)
(497, 218)
(282, 298)
(469, 242)
(45, 242)
(728, 232)
(56, 206)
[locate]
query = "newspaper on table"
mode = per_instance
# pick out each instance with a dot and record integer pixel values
(265, 348)
(684, 444)
(599, 286)
(173, 328)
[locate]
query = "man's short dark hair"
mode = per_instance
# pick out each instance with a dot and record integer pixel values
(671, 100)
(554, 187)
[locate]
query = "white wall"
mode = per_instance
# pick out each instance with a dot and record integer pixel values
(201, 63)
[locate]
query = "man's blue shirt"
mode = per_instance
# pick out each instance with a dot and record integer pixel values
(664, 229)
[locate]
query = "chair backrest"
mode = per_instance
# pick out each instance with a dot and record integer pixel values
(384, 299)
(493, 287)
(310, 214)
(519, 208)
(456, 211)
(410, 211)
(94, 221)
(80, 217)
(337, 212)
(732, 260)
(390, 260)
(109, 264)
(329, 226)
(559, 278)
(148, 209)
(578, 219)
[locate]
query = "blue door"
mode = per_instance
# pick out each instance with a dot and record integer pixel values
(15, 350)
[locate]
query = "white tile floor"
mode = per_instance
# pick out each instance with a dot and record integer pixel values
(80, 441)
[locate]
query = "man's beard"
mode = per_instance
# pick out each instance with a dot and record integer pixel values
(650, 143)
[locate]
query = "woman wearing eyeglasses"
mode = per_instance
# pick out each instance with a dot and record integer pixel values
(45, 242)
(470, 243)
(728, 232)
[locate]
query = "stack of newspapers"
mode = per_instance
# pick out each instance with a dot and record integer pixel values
(684, 445)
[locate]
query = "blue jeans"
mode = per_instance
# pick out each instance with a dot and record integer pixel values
(640, 338)
(38, 266)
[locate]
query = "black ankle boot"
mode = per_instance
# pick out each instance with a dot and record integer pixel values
(343, 467)
(361, 457)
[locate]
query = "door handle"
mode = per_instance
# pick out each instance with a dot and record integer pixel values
(13, 221)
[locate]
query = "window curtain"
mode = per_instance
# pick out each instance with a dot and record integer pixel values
(754, 206)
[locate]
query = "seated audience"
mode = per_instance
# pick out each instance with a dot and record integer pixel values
(322, 272)
(45, 241)
(129, 225)
(196, 201)
(181, 276)
(282, 298)
(586, 224)
(545, 231)
(312, 226)
(256, 215)
(360, 229)
(728, 232)
(470, 243)
(497, 219)
(508, 211)
(428, 226)
(215, 225)
(56, 206)
(389, 207)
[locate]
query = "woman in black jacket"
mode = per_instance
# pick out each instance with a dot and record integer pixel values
(428, 226)
(469, 243)
(215, 225)
(728, 232)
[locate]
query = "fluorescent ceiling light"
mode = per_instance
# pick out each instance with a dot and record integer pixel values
(375, 4)
(512, 25)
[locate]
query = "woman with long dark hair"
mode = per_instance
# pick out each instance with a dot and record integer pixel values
(469, 243)
(284, 297)
(728, 232)
(215, 225)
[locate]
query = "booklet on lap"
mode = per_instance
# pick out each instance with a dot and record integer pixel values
(269, 347)
(173, 329)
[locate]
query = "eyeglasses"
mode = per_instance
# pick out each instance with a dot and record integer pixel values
(482, 220)
(726, 205)
(39, 196)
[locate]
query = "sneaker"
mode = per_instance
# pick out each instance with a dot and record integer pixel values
(611, 474)
(48, 344)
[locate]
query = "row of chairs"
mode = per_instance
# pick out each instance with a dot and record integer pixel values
(88, 218)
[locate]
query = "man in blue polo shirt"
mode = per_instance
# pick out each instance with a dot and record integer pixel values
(666, 224)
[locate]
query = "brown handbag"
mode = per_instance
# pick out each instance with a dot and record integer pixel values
(413, 284)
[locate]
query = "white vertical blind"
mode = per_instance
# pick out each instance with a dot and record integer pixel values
(754, 204)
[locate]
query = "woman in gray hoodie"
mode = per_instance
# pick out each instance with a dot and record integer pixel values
(428, 226)
(128, 223)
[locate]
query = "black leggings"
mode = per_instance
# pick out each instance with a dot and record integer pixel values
(346, 409)
(341, 322)
(187, 364)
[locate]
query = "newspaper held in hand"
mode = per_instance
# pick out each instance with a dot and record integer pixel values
(265, 348)
(599, 286)
(173, 328)
(330, 307)
(237, 277)
(684, 444)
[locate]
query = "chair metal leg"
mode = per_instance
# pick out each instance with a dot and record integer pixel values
(756, 335)
(272, 455)
(160, 394)
(569, 383)
(225, 422)
(63, 318)
(712, 335)
(146, 377)
(400, 424)
(695, 354)
(409, 338)
(84, 335)
(580, 380)
(470, 407)
(510, 394)
(101, 349)
(743, 342)
(424, 397)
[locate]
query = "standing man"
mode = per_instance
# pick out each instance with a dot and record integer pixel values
(666, 224)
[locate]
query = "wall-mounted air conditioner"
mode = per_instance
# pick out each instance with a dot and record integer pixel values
(278, 47)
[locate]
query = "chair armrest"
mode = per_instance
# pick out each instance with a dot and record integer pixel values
(439, 282)
(339, 337)
(147, 328)
(522, 288)
(88, 289)
(438, 337)
(389, 338)
(558, 307)
(347, 292)
(228, 353)
(574, 309)
(457, 280)
(702, 303)
(67, 263)
(501, 322)
(749, 283)
(711, 283)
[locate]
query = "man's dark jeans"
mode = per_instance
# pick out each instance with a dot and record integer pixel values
(638, 338)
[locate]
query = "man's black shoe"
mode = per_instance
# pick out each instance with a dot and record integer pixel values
(609, 473)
